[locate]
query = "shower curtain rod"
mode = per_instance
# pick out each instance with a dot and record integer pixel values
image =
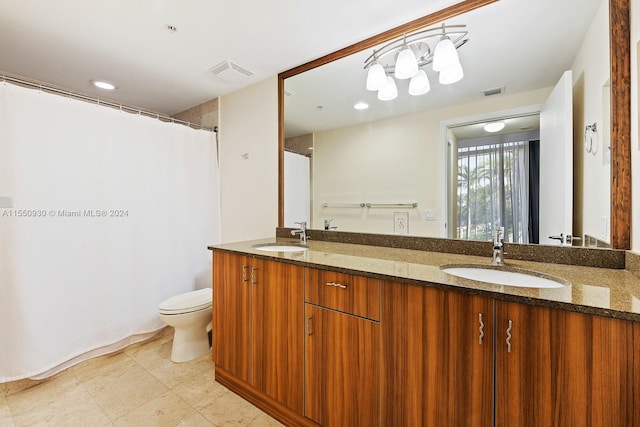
(81, 97)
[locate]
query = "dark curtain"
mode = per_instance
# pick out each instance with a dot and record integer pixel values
(534, 191)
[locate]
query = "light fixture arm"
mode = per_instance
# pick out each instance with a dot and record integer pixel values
(420, 42)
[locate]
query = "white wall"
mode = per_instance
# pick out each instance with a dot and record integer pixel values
(393, 160)
(591, 65)
(249, 187)
(635, 140)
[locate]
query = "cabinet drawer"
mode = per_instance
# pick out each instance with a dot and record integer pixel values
(344, 292)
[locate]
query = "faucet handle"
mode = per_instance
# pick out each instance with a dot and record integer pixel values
(303, 224)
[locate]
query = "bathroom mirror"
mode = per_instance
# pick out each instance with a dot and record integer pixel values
(471, 13)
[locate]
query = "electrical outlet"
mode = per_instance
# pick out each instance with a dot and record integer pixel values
(430, 215)
(401, 222)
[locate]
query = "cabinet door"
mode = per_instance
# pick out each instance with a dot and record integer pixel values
(231, 314)
(437, 357)
(342, 369)
(563, 368)
(277, 320)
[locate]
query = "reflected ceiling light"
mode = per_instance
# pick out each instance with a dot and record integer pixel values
(494, 126)
(451, 74)
(361, 106)
(389, 91)
(419, 84)
(406, 65)
(406, 58)
(103, 84)
(376, 77)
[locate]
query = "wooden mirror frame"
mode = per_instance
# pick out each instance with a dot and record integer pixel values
(619, 51)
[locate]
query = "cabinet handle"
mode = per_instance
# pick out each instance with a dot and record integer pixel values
(337, 285)
(481, 328)
(253, 276)
(309, 326)
(244, 273)
(509, 337)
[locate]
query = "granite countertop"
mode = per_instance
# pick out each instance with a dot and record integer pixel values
(601, 291)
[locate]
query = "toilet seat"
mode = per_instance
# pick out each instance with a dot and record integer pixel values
(187, 302)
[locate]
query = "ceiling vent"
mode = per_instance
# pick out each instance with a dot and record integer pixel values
(494, 91)
(231, 72)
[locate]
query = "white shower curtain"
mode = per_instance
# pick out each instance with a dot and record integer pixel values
(112, 213)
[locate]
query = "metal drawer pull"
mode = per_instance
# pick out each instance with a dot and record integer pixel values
(244, 272)
(253, 276)
(309, 328)
(481, 328)
(338, 285)
(509, 337)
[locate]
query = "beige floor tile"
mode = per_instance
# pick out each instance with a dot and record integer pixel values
(102, 365)
(14, 387)
(6, 420)
(161, 337)
(156, 358)
(58, 401)
(265, 420)
(166, 410)
(200, 390)
(119, 386)
(230, 410)
(196, 420)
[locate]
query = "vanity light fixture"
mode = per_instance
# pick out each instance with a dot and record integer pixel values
(494, 126)
(103, 84)
(407, 57)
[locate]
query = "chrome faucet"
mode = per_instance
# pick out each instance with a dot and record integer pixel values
(327, 225)
(302, 231)
(498, 246)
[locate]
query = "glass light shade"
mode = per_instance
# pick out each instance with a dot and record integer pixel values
(376, 77)
(389, 91)
(451, 74)
(406, 64)
(445, 54)
(419, 84)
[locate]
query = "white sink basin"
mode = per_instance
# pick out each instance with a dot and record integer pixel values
(281, 247)
(504, 276)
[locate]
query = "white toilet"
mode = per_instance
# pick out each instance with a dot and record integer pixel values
(190, 316)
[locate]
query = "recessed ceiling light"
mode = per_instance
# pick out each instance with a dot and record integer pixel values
(494, 127)
(361, 106)
(103, 85)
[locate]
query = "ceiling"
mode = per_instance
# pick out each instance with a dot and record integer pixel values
(518, 45)
(69, 43)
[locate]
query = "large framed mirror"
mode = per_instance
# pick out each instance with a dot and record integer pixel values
(303, 112)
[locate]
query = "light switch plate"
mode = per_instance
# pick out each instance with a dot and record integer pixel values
(430, 215)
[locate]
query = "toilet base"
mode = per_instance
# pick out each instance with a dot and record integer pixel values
(189, 344)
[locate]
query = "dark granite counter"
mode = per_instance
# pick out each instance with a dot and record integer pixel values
(609, 292)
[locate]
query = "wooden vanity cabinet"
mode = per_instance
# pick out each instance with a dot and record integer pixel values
(258, 323)
(313, 347)
(552, 367)
(342, 349)
(231, 304)
(562, 368)
(437, 357)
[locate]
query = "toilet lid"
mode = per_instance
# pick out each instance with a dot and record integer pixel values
(189, 301)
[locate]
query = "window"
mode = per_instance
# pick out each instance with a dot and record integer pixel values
(494, 190)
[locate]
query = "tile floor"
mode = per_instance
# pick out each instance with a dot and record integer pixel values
(138, 386)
